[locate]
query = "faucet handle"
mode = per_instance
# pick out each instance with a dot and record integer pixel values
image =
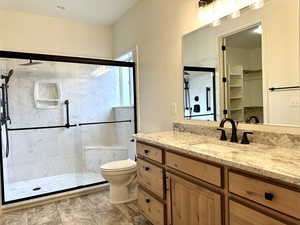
(223, 135)
(245, 140)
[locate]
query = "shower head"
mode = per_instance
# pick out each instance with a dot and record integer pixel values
(186, 76)
(10, 73)
(30, 63)
(7, 77)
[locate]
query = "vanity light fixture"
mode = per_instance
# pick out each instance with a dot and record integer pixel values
(203, 3)
(213, 13)
(217, 7)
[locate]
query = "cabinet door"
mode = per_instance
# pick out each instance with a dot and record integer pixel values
(242, 215)
(191, 204)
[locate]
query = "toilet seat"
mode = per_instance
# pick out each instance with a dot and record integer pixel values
(118, 166)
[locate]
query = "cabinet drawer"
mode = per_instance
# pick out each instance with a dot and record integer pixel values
(151, 177)
(149, 152)
(203, 171)
(151, 208)
(272, 196)
(240, 214)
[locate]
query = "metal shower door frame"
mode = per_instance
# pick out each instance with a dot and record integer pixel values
(213, 71)
(64, 59)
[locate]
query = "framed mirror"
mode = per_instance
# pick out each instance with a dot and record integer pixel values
(256, 76)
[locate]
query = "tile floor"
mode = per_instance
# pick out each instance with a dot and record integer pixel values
(93, 209)
(24, 189)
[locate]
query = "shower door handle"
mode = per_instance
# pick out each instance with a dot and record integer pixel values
(208, 108)
(4, 119)
(67, 114)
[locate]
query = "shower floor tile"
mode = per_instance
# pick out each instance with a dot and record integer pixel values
(25, 189)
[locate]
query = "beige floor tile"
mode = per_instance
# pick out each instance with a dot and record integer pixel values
(15, 218)
(93, 209)
(47, 214)
(99, 202)
(111, 217)
(76, 216)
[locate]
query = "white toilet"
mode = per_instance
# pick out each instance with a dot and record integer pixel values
(122, 178)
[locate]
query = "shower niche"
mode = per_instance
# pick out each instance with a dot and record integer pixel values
(47, 94)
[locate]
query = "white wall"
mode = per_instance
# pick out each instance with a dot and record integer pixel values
(200, 48)
(26, 32)
(157, 28)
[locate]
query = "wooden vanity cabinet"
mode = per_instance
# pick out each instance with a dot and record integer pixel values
(150, 175)
(273, 196)
(242, 215)
(177, 189)
(191, 204)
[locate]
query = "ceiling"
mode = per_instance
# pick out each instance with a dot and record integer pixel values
(104, 12)
(246, 39)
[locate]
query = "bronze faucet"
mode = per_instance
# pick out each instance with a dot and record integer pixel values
(234, 137)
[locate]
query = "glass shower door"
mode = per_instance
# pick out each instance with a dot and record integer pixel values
(65, 120)
(199, 93)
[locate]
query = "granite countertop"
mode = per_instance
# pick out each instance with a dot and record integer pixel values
(274, 162)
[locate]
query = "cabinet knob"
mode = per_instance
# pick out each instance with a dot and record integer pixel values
(147, 200)
(146, 151)
(147, 168)
(269, 196)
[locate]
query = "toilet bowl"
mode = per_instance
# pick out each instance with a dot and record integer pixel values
(122, 178)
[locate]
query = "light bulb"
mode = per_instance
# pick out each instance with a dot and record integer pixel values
(257, 4)
(236, 14)
(216, 22)
(216, 10)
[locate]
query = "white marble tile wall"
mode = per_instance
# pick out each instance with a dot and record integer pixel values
(95, 157)
(43, 153)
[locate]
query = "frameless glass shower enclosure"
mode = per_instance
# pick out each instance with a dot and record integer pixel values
(61, 119)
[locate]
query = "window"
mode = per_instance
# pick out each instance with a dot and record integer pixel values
(126, 81)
